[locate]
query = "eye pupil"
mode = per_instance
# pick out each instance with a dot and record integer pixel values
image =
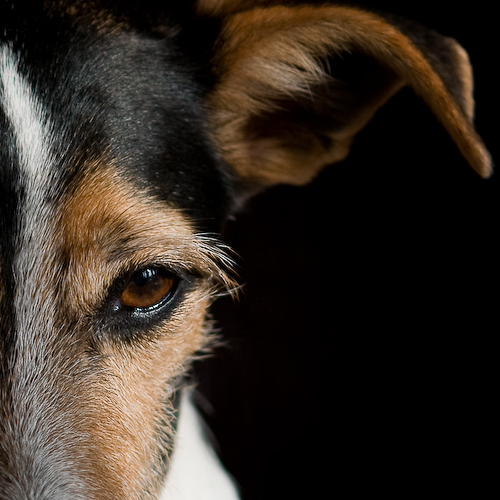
(141, 278)
(147, 288)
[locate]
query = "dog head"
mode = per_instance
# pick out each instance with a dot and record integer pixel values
(128, 135)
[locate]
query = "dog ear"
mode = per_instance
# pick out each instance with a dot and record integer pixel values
(295, 84)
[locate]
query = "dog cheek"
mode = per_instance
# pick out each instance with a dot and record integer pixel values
(133, 428)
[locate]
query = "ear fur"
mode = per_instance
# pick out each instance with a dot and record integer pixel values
(296, 84)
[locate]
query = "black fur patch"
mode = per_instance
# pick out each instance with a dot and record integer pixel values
(123, 90)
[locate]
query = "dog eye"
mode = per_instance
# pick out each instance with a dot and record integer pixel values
(148, 288)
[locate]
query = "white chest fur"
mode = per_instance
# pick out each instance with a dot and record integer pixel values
(195, 472)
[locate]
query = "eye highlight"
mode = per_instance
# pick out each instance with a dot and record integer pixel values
(147, 288)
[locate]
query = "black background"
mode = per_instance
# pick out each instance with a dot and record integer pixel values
(362, 353)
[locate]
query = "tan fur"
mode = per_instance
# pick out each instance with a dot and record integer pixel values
(129, 390)
(130, 399)
(465, 76)
(266, 55)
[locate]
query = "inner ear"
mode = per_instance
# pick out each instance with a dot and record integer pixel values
(318, 126)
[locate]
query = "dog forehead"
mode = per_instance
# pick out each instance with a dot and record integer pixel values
(119, 94)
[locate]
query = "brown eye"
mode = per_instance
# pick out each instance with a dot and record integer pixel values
(147, 288)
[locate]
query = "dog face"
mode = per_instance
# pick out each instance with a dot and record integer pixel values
(125, 143)
(106, 268)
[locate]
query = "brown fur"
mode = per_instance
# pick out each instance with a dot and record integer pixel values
(464, 73)
(267, 58)
(102, 215)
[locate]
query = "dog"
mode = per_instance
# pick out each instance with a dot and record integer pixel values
(129, 134)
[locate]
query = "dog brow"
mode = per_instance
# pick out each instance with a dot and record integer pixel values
(218, 257)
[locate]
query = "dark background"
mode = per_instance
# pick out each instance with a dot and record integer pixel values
(362, 353)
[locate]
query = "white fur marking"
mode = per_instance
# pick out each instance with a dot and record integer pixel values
(195, 471)
(34, 141)
(30, 125)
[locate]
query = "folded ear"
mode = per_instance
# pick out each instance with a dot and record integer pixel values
(294, 85)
